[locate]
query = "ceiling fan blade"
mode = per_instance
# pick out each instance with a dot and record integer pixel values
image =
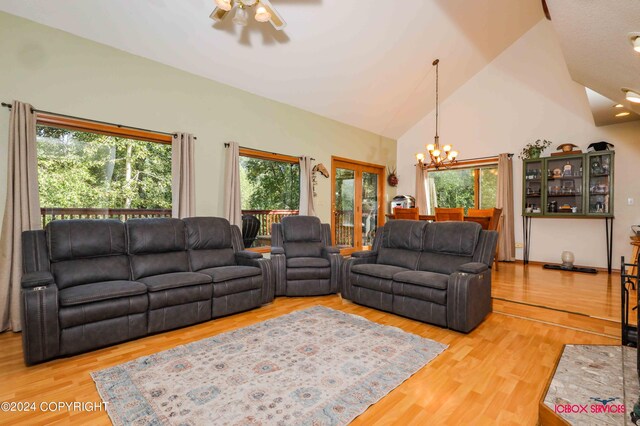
(218, 14)
(276, 20)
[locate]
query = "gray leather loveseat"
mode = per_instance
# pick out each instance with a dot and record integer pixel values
(93, 283)
(439, 273)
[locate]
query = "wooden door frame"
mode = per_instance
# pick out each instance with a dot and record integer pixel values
(358, 167)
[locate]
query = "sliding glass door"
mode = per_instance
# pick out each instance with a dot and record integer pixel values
(357, 203)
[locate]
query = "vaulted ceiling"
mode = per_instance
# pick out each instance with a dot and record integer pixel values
(594, 36)
(367, 64)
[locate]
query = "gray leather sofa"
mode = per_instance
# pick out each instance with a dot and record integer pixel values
(93, 283)
(303, 260)
(439, 273)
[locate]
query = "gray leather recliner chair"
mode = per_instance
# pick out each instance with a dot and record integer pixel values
(303, 260)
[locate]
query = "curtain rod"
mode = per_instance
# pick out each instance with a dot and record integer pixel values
(226, 145)
(7, 105)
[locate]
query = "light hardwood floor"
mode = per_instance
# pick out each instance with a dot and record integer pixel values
(494, 375)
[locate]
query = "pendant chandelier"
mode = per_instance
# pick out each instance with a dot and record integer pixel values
(438, 157)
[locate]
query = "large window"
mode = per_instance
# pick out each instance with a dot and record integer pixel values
(269, 188)
(471, 187)
(91, 174)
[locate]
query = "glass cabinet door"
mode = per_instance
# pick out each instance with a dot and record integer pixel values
(533, 184)
(600, 183)
(565, 175)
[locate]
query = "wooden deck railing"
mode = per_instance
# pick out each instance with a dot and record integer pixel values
(53, 213)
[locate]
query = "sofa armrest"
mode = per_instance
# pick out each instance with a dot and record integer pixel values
(279, 262)
(246, 254)
(266, 270)
(40, 326)
(330, 250)
(365, 254)
(473, 267)
(345, 276)
(277, 250)
(36, 279)
(468, 300)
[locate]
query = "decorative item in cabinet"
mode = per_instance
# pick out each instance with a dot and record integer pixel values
(564, 185)
(600, 183)
(533, 184)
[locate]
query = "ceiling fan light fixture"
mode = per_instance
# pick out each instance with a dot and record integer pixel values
(632, 96)
(262, 14)
(224, 5)
(240, 17)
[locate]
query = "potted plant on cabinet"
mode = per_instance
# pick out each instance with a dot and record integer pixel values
(534, 149)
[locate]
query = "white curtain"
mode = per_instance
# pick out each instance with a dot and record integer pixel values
(421, 189)
(22, 209)
(183, 202)
(504, 200)
(306, 187)
(232, 204)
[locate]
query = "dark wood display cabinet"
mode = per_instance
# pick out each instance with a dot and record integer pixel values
(574, 186)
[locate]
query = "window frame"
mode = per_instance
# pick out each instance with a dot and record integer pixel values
(475, 166)
(270, 156)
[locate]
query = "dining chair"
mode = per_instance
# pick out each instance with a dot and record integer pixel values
(406, 214)
(495, 215)
(449, 214)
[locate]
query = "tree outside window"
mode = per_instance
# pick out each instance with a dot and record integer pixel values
(464, 187)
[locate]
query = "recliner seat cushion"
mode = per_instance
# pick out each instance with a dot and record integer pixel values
(308, 262)
(423, 279)
(226, 273)
(419, 292)
(95, 292)
(378, 271)
(87, 313)
(174, 280)
(457, 238)
(298, 274)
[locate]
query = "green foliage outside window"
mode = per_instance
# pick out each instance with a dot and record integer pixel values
(89, 170)
(455, 187)
(269, 185)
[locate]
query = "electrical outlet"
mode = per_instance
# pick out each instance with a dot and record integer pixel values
(630, 201)
(519, 245)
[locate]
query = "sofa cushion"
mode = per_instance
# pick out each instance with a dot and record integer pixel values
(82, 238)
(158, 235)
(180, 296)
(174, 280)
(226, 273)
(378, 271)
(211, 258)
(403, 258)
(297, 274)
(458, 238)
(428, 294)
(423, 278)
(148, 265)
(308, 262)
(301, 228)
(441, 263)
(87, 313)
(372, 283)
(95, 292)
(246, 285)
(207, 233)
(69, 273)
(403, 234)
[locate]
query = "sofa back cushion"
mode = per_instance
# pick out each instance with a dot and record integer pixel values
(209, 242)
(157, 246)
(448, 245)
(401, 243)
(302, 236)
(84, 251)
(456, 238)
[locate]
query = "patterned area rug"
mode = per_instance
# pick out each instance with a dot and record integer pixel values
(312, 367)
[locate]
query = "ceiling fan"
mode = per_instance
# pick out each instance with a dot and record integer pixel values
(264, 12)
